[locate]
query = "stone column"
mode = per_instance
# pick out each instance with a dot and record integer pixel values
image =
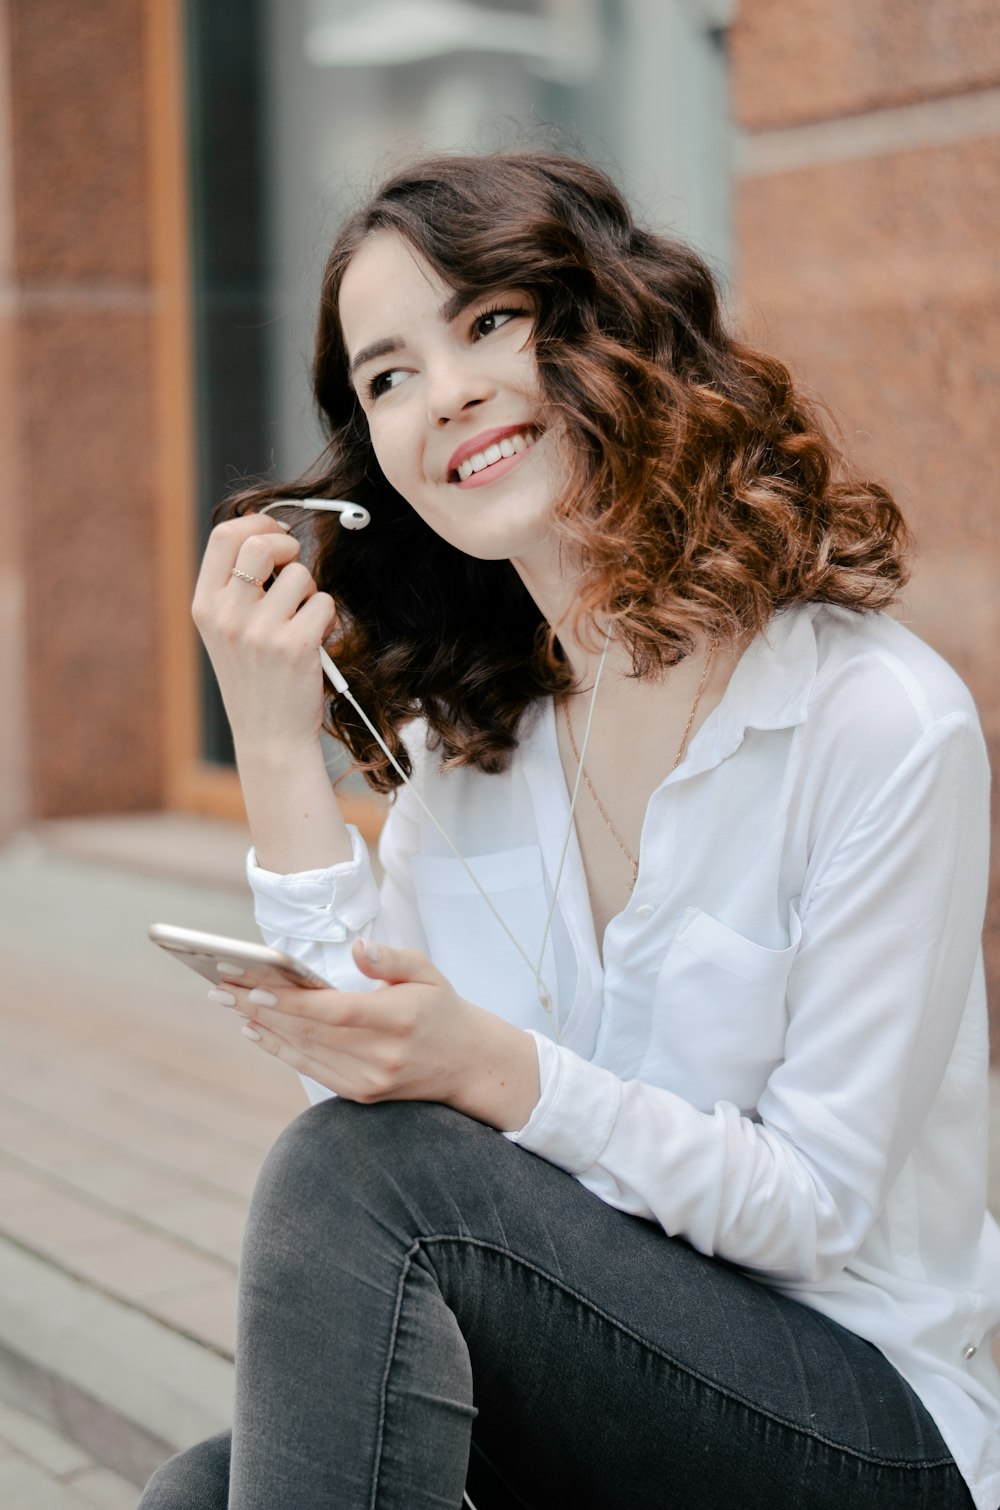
(78, 307)
(868, 256)
(13, 712)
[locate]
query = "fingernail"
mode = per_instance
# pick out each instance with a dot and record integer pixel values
(263, 998)
(281, 524)
(249, 1032)
(224, 998)
(222, 967)
(371, 950)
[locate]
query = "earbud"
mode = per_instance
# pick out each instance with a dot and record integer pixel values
(353, 516)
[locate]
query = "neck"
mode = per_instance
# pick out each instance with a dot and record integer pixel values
(554, 591)
(554, 588)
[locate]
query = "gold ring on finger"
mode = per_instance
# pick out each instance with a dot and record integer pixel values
(245, 576)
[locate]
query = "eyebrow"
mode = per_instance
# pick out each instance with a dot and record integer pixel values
(450, 309)
(381, 348)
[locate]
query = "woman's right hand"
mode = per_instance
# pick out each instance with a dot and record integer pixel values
(264, 646)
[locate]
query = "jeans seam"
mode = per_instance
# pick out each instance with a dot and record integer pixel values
(390, 1353)
(873, 1460)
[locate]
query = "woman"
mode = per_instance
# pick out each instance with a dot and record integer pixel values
(726, 1004)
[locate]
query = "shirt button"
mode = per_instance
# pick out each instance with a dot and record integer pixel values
(645, 911)
(969, 1351)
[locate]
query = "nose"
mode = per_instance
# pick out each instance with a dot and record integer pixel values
(455, 384)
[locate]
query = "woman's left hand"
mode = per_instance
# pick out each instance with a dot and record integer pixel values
(412, 1039)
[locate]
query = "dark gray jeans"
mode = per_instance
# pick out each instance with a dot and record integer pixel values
(426, 1308)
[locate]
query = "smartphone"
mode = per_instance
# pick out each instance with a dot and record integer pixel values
(219, 959)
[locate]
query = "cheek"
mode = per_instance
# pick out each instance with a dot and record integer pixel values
(524, 374)
(394, 451)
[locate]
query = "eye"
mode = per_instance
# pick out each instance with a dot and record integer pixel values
(383, 381)
(493, 319)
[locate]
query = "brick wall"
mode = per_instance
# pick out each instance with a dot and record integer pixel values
(867, 218)
(79, 308)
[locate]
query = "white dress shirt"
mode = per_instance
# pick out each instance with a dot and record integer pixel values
(780, 1053)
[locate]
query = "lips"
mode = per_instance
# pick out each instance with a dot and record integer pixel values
(478, 447)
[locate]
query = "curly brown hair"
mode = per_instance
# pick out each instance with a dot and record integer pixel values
(704, 491)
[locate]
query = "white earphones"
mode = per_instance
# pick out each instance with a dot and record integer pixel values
(339, 683)
(353, 516)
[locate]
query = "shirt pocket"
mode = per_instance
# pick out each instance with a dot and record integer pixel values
(467, 943)
(720, 1014)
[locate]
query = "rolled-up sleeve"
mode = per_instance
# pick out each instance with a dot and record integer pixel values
(316, 915)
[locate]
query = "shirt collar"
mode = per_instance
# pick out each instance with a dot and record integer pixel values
(770, 689)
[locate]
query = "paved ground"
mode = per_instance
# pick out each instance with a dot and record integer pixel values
(40, 1469)
(133, 1119)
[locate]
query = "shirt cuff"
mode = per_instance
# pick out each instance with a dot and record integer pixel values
(325, 905)
(576, 1111)
(315, 1091)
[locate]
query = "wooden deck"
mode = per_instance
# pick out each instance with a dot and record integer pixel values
(133, 1120)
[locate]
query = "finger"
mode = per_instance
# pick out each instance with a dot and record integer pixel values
(293, 585)
(272, 1043)
(317, 617)
(345, 1078)
(228, 1000)
(285, 599)
(280, 1004)
(261, 556)
(298, 1010)
(379, 962)
(294, 598)
(228, 538)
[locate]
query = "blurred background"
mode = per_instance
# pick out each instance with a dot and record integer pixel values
(171, 174)
(172, 171)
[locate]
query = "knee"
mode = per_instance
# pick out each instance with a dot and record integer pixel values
(197, 1479)
(339, 1151)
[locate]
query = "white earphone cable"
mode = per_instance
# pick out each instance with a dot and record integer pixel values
(572, 804)
(355, 516)
(339, 683)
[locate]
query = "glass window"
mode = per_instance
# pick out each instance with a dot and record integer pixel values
(230, 294)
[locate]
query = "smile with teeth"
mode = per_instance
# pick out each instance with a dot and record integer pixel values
(509, 446)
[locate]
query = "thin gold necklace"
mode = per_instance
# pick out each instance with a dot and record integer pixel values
(633, 859)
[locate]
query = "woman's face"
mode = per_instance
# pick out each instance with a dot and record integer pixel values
(451, 394)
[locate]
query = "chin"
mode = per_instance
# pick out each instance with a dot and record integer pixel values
(491, 532)
(502, 545)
